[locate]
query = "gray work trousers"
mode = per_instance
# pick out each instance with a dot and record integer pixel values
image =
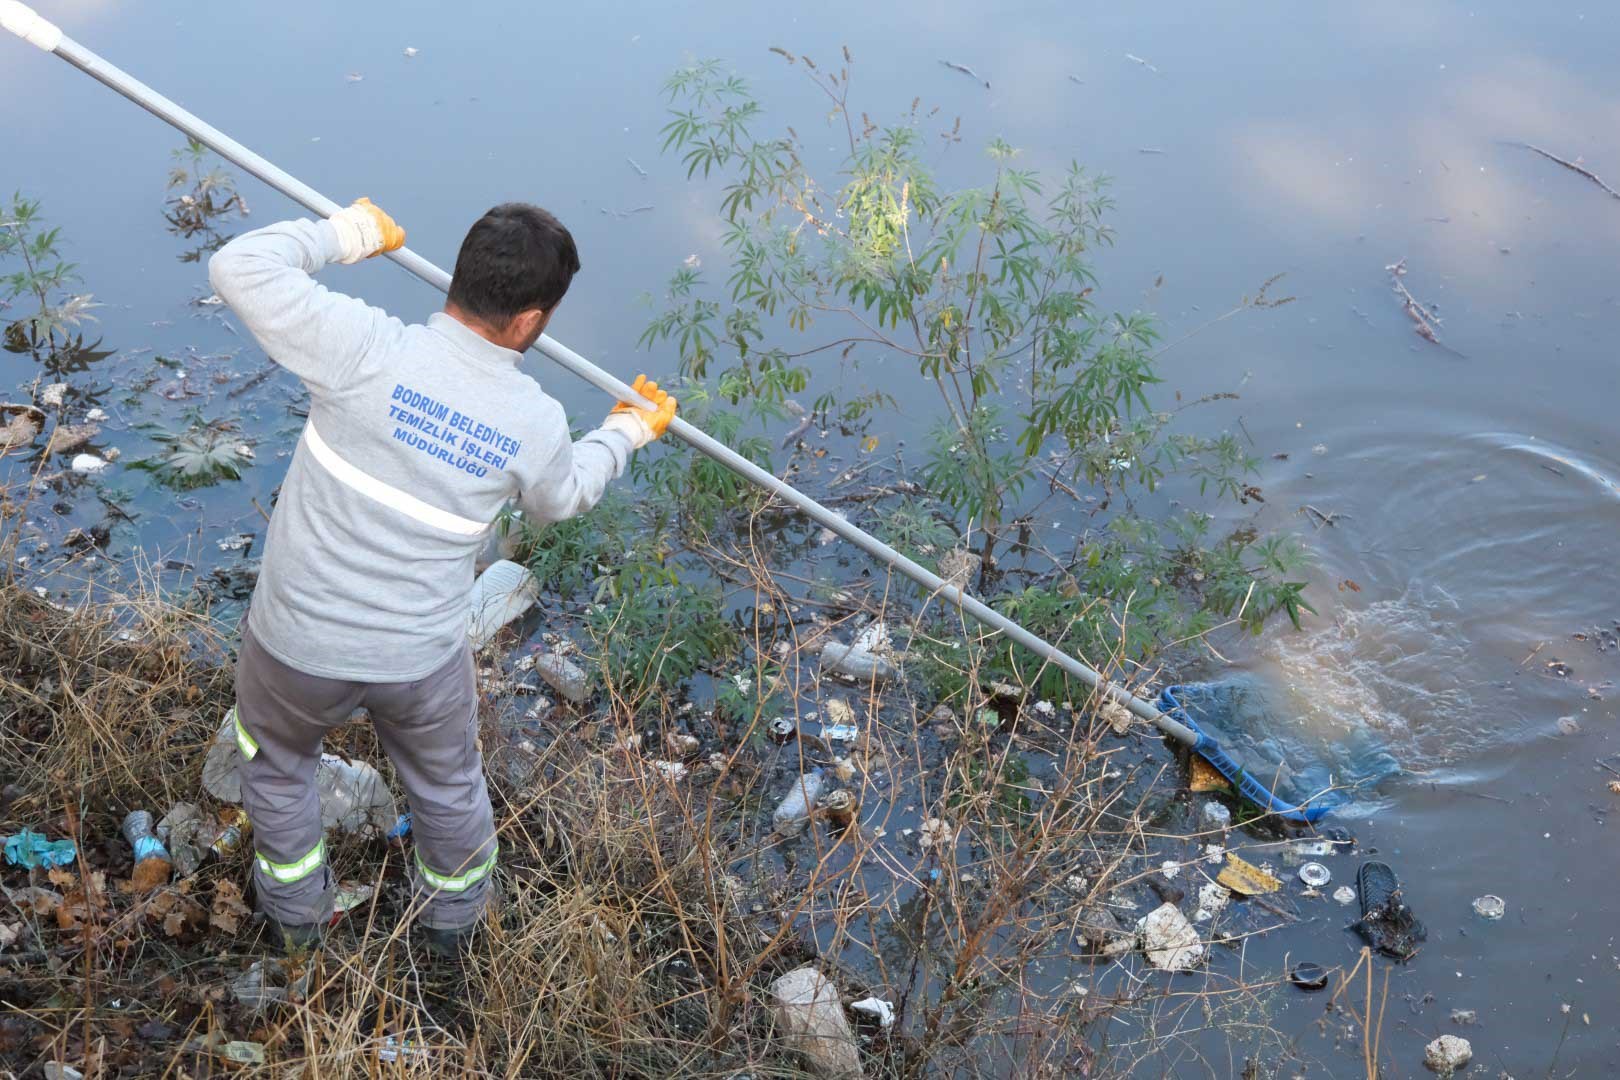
(428, 728)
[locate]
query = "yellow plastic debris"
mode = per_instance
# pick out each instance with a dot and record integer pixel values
(1205, 777)
(1246, 878)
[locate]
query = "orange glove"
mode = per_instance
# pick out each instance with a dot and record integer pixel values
(365, 230)
(642, 426)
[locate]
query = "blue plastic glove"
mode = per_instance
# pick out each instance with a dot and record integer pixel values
(31, 849)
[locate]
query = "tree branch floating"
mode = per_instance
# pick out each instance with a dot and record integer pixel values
(1574, 166)
(969, 72)
(1424, 320)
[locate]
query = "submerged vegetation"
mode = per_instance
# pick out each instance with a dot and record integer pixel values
(200, 455)
(201, 194)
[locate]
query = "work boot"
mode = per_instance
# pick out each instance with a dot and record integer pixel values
(294, 938)
(447, 943)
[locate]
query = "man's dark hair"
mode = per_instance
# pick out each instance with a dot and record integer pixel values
(515, 257)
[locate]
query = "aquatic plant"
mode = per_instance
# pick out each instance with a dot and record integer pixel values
(44, 281)
(201, 454)
(201, 192)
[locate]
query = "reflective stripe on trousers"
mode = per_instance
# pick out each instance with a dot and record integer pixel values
(298, 869)
(244, 742)
(460, 882)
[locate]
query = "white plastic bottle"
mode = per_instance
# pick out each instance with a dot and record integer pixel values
(793, 812)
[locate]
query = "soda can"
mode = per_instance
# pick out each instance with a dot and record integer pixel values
(230, 836)
(839, 806)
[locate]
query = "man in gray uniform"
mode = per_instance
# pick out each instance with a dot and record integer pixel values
(417, 437)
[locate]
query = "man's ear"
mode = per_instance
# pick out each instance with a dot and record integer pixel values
(526, 326)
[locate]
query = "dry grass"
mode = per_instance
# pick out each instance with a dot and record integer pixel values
(611, 932)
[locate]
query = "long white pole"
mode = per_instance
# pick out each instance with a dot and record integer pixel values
(23, 21)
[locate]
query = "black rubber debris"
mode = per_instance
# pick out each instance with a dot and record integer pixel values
(1308, 976)
(1387, 923)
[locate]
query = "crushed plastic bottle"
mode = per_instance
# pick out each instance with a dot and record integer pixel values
(152, 862)
(500, 594)
(564, 676)
(793, 812)
(864, 659)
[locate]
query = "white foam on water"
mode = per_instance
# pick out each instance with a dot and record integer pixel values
(1398, 666)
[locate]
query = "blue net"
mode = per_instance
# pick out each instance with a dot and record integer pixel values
(1303, 767)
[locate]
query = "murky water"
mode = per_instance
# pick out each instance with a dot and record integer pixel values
(1472, 490)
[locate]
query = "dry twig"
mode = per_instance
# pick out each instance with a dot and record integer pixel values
(1575, 166)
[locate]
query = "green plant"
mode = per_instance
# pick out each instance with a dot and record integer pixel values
(988, 293)
(201, 193)
(651, 635)
(199, 455)
(44, 279)
(696, 493)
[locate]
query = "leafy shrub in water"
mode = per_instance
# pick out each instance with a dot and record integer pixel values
(1041, 395)
(1042, 402)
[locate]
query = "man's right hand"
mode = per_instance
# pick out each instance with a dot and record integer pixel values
(364, 230)
(642, 426)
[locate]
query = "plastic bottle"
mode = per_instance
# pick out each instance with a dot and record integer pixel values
(564, 676)
(501, 593)
(152, 863)
(794, 810)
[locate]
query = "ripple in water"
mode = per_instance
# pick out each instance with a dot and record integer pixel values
(1397, 667)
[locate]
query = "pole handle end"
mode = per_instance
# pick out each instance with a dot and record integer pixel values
(29, 25)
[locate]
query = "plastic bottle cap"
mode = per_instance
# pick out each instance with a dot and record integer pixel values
(1315, 874)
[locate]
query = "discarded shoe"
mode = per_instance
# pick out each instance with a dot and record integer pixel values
(1386, 923)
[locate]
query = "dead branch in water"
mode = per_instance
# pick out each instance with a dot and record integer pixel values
(965, 70)
(1574, 166)
(1423, 320)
